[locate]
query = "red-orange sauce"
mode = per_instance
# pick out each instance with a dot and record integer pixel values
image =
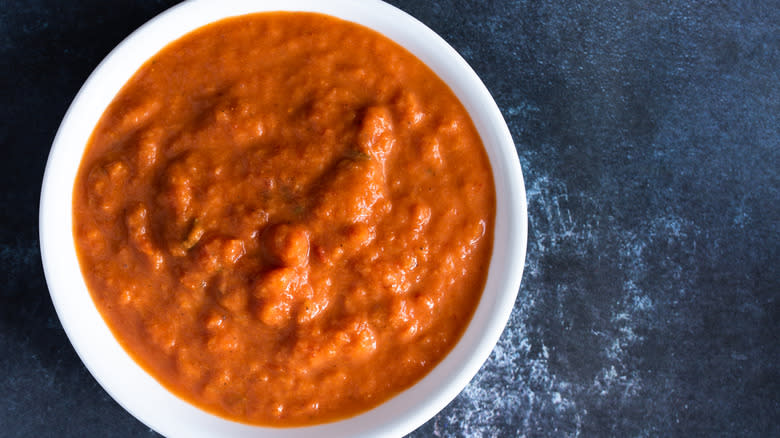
(285, 218)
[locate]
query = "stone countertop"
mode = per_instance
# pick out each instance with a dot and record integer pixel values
(649, 137)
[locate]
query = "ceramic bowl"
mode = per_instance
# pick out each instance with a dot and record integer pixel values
(142, 395)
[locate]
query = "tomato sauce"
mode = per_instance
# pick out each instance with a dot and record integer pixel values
(285, 218)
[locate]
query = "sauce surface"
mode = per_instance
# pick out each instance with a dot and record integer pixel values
(285, 218)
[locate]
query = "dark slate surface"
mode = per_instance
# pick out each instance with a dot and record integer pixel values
(649, 134)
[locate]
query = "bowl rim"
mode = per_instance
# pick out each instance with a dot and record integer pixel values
(140, 394)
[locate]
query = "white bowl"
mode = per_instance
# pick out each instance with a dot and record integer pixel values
(143, 396)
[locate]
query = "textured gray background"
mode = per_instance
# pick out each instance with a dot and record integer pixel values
(649, 136)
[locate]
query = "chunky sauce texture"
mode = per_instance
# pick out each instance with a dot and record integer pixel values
(285, 218)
